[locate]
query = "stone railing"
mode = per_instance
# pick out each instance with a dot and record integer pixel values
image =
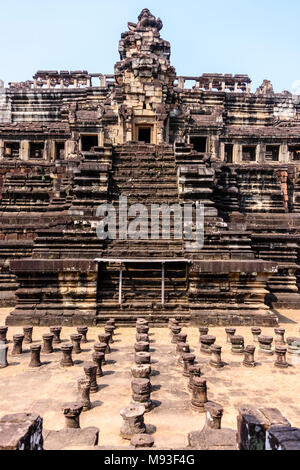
(217, 82)
(61, 80)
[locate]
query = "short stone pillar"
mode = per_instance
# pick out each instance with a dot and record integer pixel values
(142, 321)
(199, 397)
(280, 361)
(265, 344)
(133, 421)
(3, 356)
(182, 348)
(141, 441)
(194, 371)
(35, 360)
(249, 356)
(17, 345)
(76, 339)
(3, 334)
(142, 338)
(67, 360)
(175, 332)
(279, 336)
(27, 330)
(229, 332)
(84, 388)
(256, 332)
(214, 414)
(237, 344)
(142, 329)
(172, 322)
(141, 346)
(111, 321)
(142, 358)
(141, 371)
(104, 338)
(83, 331)
(203, 330)
(101, 347)
(109, 329)
(56, 331)
(216, 359)
(98, 358)
(47, 343)
(72, 412)
(90, 370)
(293, 346)
(181, 338)
(206, 342)
(188, 360)
(141, 391)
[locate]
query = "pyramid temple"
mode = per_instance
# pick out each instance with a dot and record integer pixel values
(71, 141)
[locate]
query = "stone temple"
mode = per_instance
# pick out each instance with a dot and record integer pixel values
(73, 140)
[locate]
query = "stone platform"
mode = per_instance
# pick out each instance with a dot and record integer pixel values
(45, 389)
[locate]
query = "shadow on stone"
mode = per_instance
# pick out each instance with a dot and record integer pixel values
(150, 429)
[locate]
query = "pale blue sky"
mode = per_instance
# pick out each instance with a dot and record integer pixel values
(257, 37)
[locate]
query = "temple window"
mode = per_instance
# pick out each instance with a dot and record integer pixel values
(294, 152)
(36, 150)
(199, 143)
(88, 142)
(12, 149)
(272, 153)
(249, 153)
(59, 150)
(228, 153)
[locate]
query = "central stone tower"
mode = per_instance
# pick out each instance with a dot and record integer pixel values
(144, 93)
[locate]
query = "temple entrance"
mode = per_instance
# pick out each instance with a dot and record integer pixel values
(144, 134)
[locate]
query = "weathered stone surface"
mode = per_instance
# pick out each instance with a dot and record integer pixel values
(283, 438)
(21, 431)
(222, 439)
(252, 425)
(142, 441)
(67, 438)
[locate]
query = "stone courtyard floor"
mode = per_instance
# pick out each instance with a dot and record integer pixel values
(45, 389)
